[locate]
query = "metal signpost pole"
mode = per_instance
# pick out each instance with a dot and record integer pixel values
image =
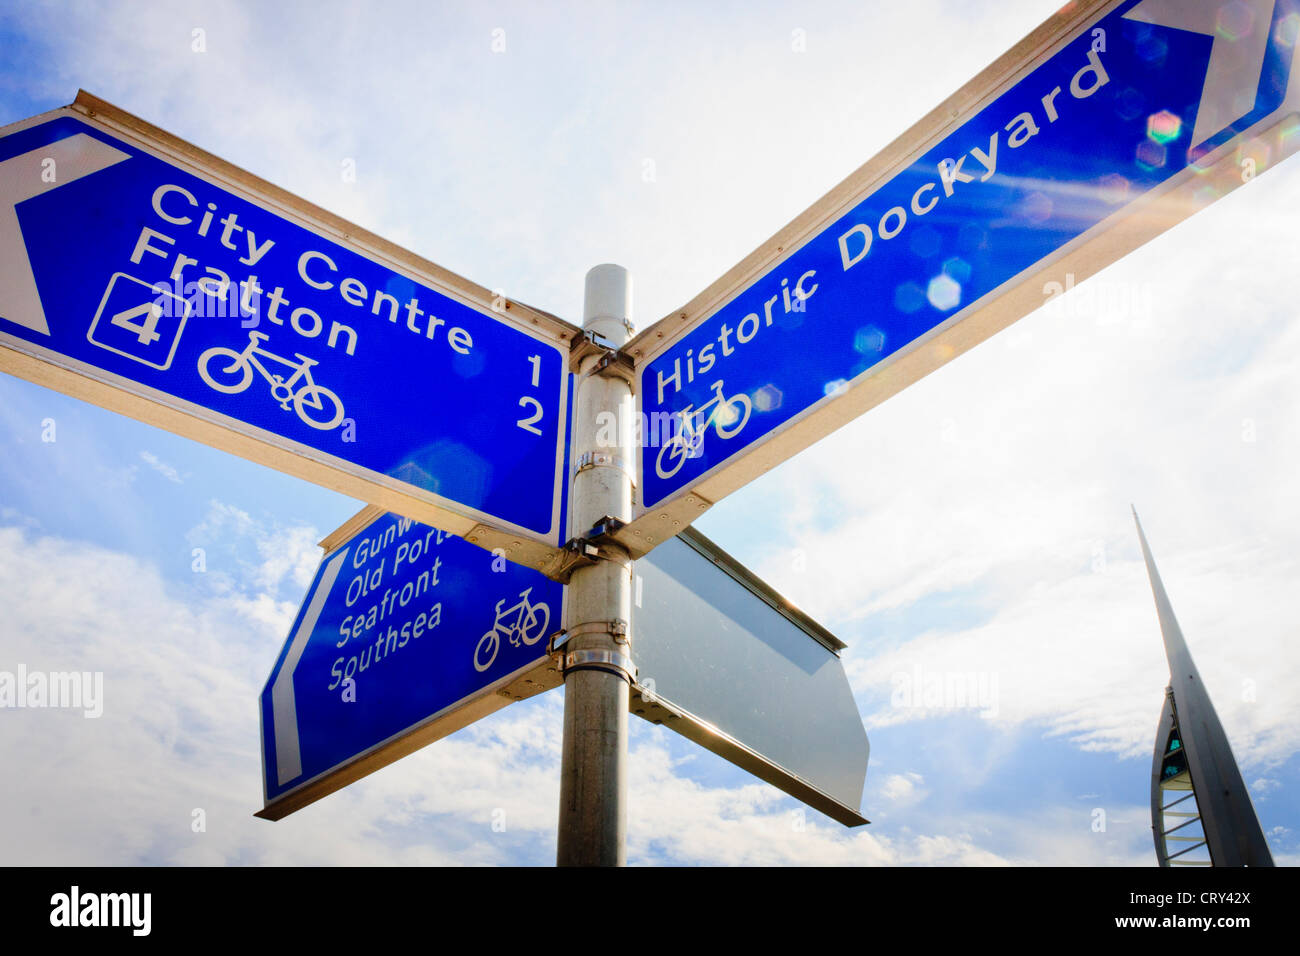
(596, 660)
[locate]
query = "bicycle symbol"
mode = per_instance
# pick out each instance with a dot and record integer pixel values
(238, 375)
(529, 626)
(726, 418)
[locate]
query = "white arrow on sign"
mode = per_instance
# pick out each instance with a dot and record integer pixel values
(1236, 61)
(24, 177)
(288, 756)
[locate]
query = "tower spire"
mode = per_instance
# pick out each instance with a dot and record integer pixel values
(1192, 754)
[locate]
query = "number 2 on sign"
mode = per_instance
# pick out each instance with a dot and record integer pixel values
(527, 402)
(527, 423)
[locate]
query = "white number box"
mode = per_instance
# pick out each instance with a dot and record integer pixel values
(140, 320)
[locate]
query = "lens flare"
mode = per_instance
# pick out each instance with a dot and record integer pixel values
(1130, 104)
(957, 268)
(1153, 49)
(1206, 195)
(1114, 189)
(768, 398)
(1288, 134)
(1288, 29)
(944, 292)
(909, 297)
(869, 340)
(1164, 127)
(1036, 207)
(1150, 155)
(972, 237)
(1235, 21)
(1260, 151)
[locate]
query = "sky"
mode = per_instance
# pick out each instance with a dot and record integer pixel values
(977, 523)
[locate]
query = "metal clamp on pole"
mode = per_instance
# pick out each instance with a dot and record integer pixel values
(617, 629)
(599, 459)
(613, 662)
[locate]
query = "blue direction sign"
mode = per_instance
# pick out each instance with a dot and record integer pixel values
(1111, 123)
(406, 635)
(169, 282)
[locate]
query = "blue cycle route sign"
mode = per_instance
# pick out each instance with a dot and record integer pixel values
(406, 634)
(134, 267)
(1129, 104)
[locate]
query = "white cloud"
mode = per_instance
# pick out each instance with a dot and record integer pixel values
(902, 788)
(164, 469)
(289, 552)
(284, 555)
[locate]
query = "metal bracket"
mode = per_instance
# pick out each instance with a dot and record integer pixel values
(611, 361)
(586, 550)
(577, 553)
(616, 363)
(603, 531)
(613, 662)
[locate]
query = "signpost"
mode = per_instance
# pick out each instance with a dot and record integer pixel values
(1106, 126)
(153, 279)
(406, 635)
